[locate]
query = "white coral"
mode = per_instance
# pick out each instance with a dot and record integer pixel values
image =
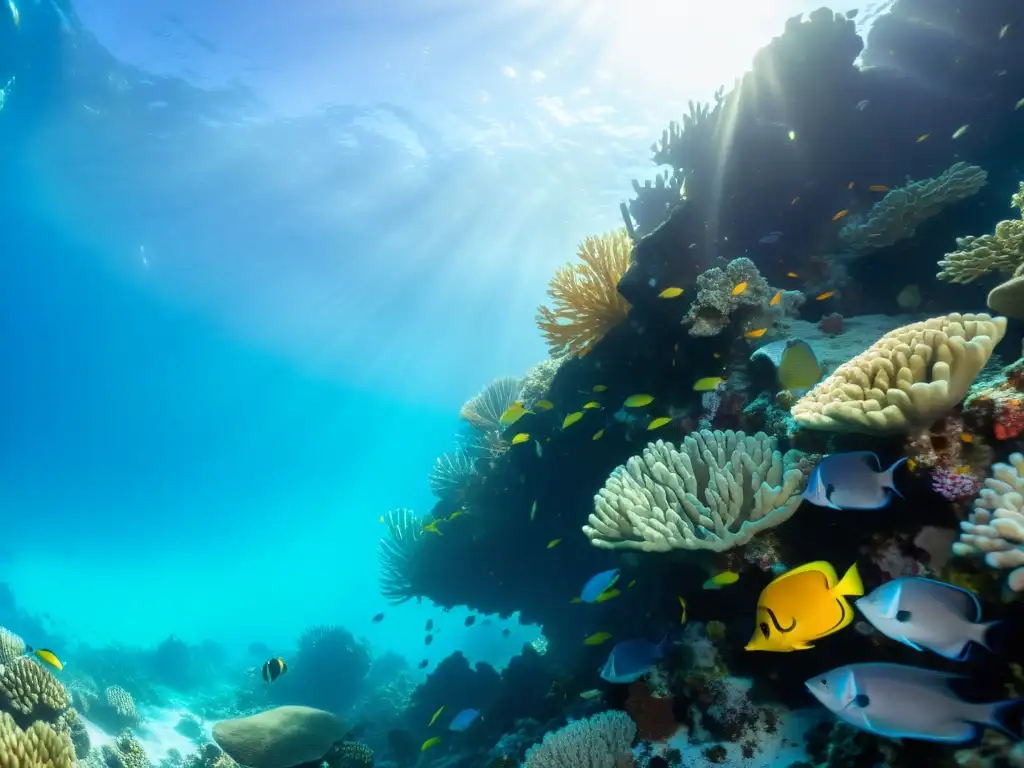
(714, 494)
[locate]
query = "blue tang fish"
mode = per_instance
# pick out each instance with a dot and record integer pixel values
(901, 702)
(463, 720)
(923, 613)
(596, 586)
(632, 659)
(852, 480)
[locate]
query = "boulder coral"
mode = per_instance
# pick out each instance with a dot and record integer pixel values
(283, 737)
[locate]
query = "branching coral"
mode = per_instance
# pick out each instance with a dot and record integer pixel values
(908, 378)
(653, 203)
(11, 646)
(31, 693)
(596, 742)
(125, 752)
(995, 528)
(898, 215)
(395, 553)
(538, 380)
(714, 494)
(585, 296)
(38, 746)
(977, 256)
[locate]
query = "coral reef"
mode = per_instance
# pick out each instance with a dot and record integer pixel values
(978, 256)
(395, 553)
(125, 752)
(37, 746)
(280, 738)
(11, 646)
(31, 693)
(326, 671)
(601, 741)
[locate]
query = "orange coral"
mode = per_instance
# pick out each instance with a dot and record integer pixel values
(653, 716)
(586, 303)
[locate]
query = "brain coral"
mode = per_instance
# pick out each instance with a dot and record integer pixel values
(906, 379)
(38, 746)
(596, 742)
(279, 738)
(31, 693)
(714, 493)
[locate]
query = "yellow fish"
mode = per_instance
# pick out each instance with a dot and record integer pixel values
(804, 605)
(432, 527)
(825, 295)
(48, 657)
(792, 274)
(775, 299)
(923, 137)
(707, 384)
(543, 405)
(456, 514)
(966, 437)
(512, 414)
(638, 401)
(598, 435)
(739, 288)
(522, 437)
(682, 607)
(661, 421)
(433, 741)
(911, 464)
(599, 388)
(723, 579)
(755, 333)
(554, 543)
(592, 404)
(840, 214)
(1003, 30)
(878, 188)
(608, 594)
(961, 130)
(670, 293)
(571, 419)
(436, 715)
(533, 510)
(597, 638)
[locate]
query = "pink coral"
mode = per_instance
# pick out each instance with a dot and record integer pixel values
(953, 485)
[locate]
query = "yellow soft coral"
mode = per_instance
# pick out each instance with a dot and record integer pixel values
(977, 256)
(38, 746)
(585, 297)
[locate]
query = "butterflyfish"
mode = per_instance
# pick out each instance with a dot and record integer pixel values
(598, 435)
(961, 130)
(554, 543)
(273, 669)
(670, 293)
(825, 295)
(49, 657)
(755, 333)
(522, 437)
(543, 405)
(571, 419)
(638, 401)
(739, 288)
(723, 579)
(512, 414)
(591, 405)
(433, 741)
(682, 609)
(661, 421)
(840, 214)
(803, 605)
(436, 715)
(597, 638)
(707, 384)
(798, 369)
(775, 299)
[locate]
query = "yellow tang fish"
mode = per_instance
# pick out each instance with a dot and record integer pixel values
(598, 434)
(597, 638)
(608, 594)
(599, 388)
(592, 404)
(661, 421)
(433, 741)
(543, 405)
(775, 299)
(707, 384)
(723, 579)
(682, 607)
(638, 401)
(804, 605)
(554, 543)
(522, 437)
(571, 419)
(670, 293)
(512, 414)
(825, 295)
(739, 288)
(436, 715)
(49, 657)
(755, 333)
(878, 188)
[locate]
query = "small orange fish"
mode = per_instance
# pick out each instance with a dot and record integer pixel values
(963, 469)
(739, 288)
(792, 274)
(795, 200)
(756, 333)
(775, 299)
(923, 137)
(878, 188)
(967, 437)
(840, 215)
(825, 295)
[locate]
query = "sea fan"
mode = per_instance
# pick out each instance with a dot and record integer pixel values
(484, 410)
(452, 475)
(395, 553)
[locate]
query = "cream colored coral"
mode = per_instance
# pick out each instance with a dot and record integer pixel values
(715, 493)
(282, 737)
(121, 702)
(38, 746)
(1008, 298)
(977, 256)
(995, 527)
(908, 378)
(11, 646)
(29, 690)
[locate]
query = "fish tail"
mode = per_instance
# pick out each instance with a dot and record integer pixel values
(886, 479)
(850, 585)
(1008, 717)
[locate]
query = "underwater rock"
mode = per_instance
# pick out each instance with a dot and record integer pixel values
(279, 738)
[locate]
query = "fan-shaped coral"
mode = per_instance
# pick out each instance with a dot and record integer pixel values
(395, 553)
(585, 297)
(909, 377)
(31, 693)
(715, 493)
(484, 409)
(452, 475)
(38, 746)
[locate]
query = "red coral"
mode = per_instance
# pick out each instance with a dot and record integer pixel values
(1009, 419)
(653, 716)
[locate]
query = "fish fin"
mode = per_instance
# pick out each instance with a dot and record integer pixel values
(818, 566)
(850, 585)
(1008, 717)
(913, 645)
(885, 479)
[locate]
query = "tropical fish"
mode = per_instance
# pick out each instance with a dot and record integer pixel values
(755, 333)
(961, 130)
(792, 274)
(1003, 30)
(597, 584)
(804, 605)
(470, 621)
(715, 630)
(966, 437)
(739, 288)
(608, 594)
(798, 368)
(909, 298)
(273, 669)
(463, 720)
(571, 419)
(433, 741)
(632, 659)
(543, 405)
(723, 579)
(638, 401)
(522, 437)
(593, 693)
(923, 613)
(436, 715)
(902, 702)
(670, 293)
(707, 384)
(456, 515)
(512, 414)
(840, 214)
(879, 188)
(598, 434)
(661, 421)
(378, 618)
(381, 519)
(771, 238)
(682, 609)
(575, 601)
(49, 657)
(428, 639)
(599, 388)
(597, 638)
(430, 624)
(423, 664)
(825, 295)
(506, 632)
(540, 450)
(851, 480)
(775, 299)
(923, 137)
(591, 405)
(851, 185)
(554, 543)
(533, 510)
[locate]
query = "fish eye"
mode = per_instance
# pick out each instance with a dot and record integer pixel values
(824, 682)
(902, 616)
(764, 629)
